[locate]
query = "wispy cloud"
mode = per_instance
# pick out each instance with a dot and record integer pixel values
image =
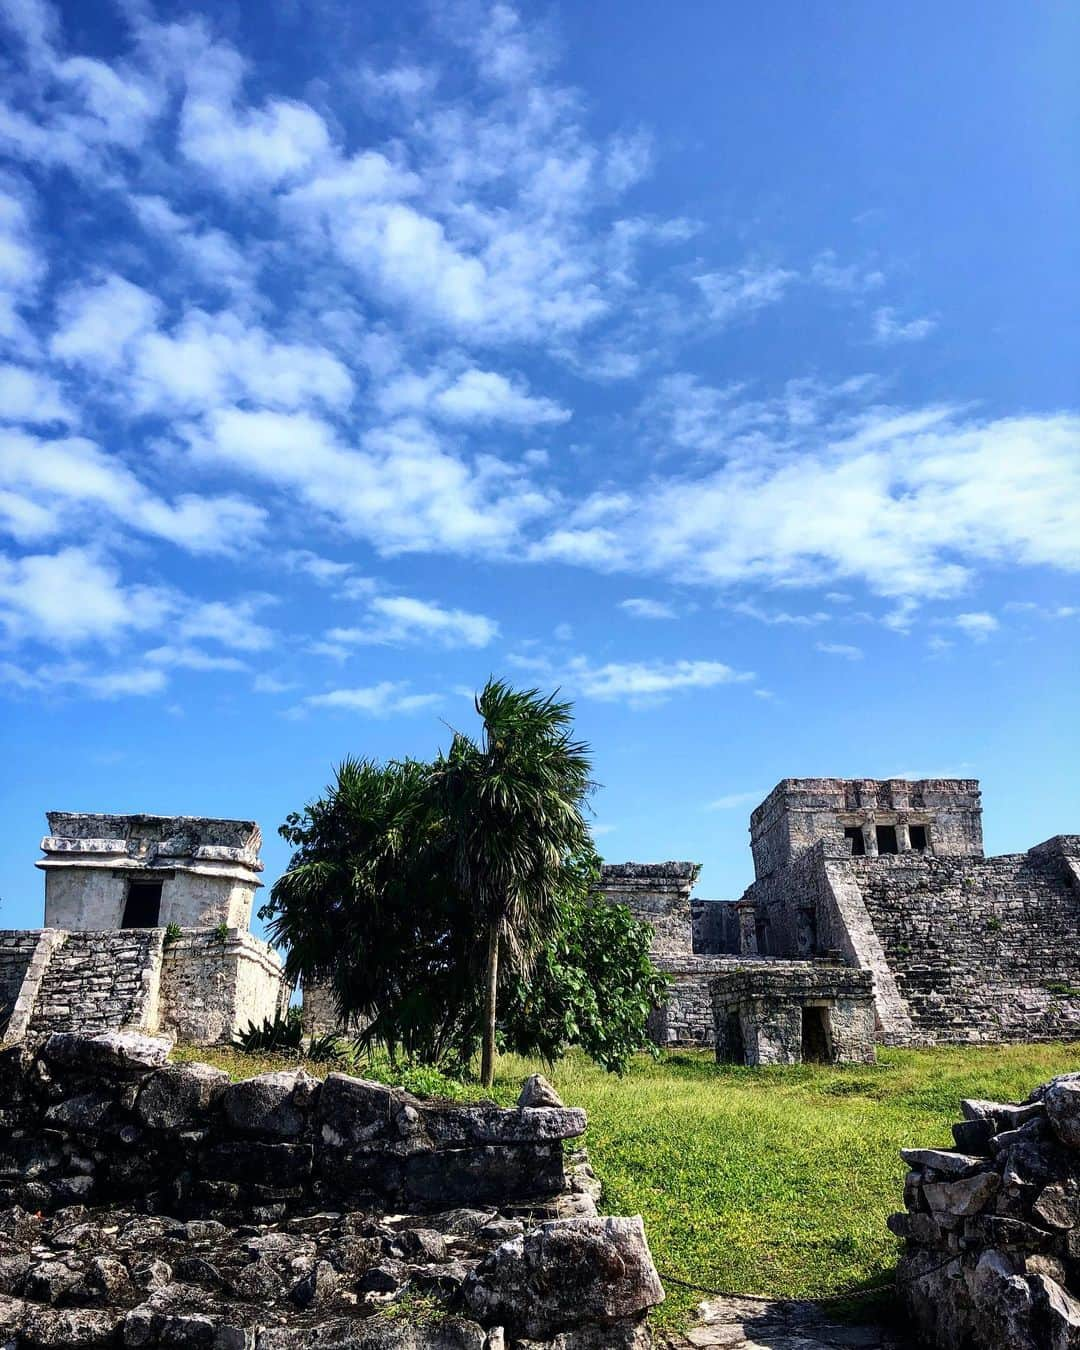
(888, 328)
(844, 649)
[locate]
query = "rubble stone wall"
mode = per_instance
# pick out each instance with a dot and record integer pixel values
(91, 1118)
(982, 949)
(992, 1227)
(16, 952)
(150, 1204)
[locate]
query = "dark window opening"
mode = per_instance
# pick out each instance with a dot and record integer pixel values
(815, 1036)
(734, 1048)
(917, 835)
(858, 843)
(143, 905)
(886, 839)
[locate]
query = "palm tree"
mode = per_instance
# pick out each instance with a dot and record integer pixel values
(512, 807)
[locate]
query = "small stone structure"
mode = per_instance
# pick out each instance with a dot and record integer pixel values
(144, 1203)
(889, 877)
(146, 928)
(992, 1227)
(791, 1012)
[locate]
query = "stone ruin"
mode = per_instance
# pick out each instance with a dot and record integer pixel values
(884, 877)
(144, 1203)
(992, 1227)
(147, 928)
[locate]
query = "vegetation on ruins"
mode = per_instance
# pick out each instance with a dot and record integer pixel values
(770, 1181)
(447, 903)
(510, 807)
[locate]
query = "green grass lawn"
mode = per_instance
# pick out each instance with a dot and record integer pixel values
(767, 1181)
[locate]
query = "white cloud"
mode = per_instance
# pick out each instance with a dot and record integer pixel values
(73, 596)
(51, 485)
(377, 700)
(231, 623)
(394, 619)
(731, 801)
(245, 148)
(31, 396)
(852, 278)
(640, 682)
(400, 488)
(977, 624)
(473, 396)
(640, 608)
(888, 328)
(192, 658)
(909, 503)
(779, 617)
(744, 290)
(99, 321)
(844, 649)
(21, 266)
(77, 676)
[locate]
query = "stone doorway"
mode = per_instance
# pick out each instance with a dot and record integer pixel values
(816, 1035)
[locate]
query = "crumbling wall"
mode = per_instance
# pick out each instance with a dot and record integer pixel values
(660, 894)
(214, 984)
(992, 1227)
(151, 1204)
(982, 949)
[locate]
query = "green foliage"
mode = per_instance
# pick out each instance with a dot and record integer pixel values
(428, 895)
(366, 907)
(221, 933)
(993, 924)
(284, 1035)
(510, 807)
(592, 985)
(172, 934)
(1061, 989)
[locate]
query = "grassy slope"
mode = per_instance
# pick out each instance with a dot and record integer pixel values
(767, 1181)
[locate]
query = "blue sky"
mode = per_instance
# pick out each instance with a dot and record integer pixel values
(719, 368)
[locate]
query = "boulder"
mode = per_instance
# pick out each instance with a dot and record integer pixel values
(274, 1105)
(178, 1096)
(564, 1273)
(942, 1160)
(537, 1091)
(961, 1198)
(108, 1050)
(1063, 1107)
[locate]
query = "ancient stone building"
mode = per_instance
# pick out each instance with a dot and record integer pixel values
(888, 877)
(146, 928)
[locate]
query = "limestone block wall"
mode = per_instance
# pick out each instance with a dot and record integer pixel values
(801, 811)
(765, 997)
(982, 949)
(686, 1017)
(215, 984)
(660, 894)
(16, 951)
(715, 927)
(98, 981)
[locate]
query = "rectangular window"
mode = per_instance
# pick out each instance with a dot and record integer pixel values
(143, 906)
(858, 843)
(917, 835)
(886, 839)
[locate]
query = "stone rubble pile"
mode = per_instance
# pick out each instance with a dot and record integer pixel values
(992, 1228)
(144, 1203)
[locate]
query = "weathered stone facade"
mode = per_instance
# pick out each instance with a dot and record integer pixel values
(889, 877)
(144, 1203)
(790, 1012)
(155, 913)
(205, 871)
(992, 1227)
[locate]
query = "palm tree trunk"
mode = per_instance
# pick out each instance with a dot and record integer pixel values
(487, 1051)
